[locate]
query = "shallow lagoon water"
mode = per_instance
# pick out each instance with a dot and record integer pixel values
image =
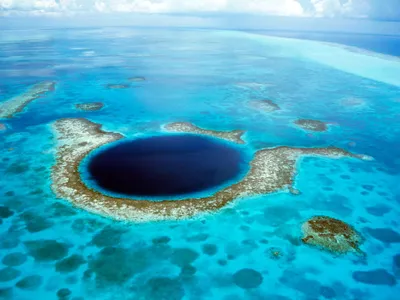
(54, 250)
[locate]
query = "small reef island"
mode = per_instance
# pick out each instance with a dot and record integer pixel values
(137, 79)
(332, 235)
(266, 106)
(271, 170)
(312, 125)
(14, 105)
(91, 106)
(117, 86)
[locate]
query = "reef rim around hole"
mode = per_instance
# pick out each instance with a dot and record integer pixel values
(169, 166)
(271, 170)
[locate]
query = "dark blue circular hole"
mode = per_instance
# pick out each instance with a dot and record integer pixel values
(165, 165)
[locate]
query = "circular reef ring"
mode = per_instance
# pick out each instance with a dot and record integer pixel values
(270, 170)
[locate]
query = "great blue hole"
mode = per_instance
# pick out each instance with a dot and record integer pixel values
(165, 165)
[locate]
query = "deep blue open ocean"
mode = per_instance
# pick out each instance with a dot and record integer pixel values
(250, 249)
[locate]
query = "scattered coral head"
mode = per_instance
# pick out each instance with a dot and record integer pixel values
(91, 106)
(137, 79)
(313, 125)
(117, 86)
(264, 105)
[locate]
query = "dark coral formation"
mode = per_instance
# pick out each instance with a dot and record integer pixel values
(9, 274)
(385, 235)
(331, 234)
(17, 167)
(35, 223)
(375, 277)
(91, 106)
(264, 105)
(297, 280)
(183, 257)
(5, 212)
(396, 265)
(87, 225)
(378, 210)
(274, 253)
(30, 282)
(62, 210)
(14, 259)
(70, 264)
(187, 272)
(247, 278)
(63, 293)
(117, 265)
(47, 250)
(270, 170)
(161, 240)
(108, 236)
(313, 125)
(210, 249)
(163, 288)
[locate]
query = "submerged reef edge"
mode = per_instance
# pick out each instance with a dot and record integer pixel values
(271, 170)
(16, 104)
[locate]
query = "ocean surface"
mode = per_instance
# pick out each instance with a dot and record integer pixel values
(381, 43)
(251, 249)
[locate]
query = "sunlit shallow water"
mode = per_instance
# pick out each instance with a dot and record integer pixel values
(50, 249)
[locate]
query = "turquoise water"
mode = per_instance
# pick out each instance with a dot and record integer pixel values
(52, 250)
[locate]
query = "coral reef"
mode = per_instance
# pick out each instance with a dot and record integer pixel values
(253, 85)
(385, 235)
(30, 282)
(46, 250)
(14, 259)
(274, 253)
(16, 104)
(375, 277)
(270, 170)
(70, 263)
(313, 125)
(232, 136)
(117, 86)
(137, 79)
(331, 234)
(353, 102)
(247, 278)
(264, 105)
(91, 106)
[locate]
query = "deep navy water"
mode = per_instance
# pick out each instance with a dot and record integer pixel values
(50, 249)
(165, 165)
